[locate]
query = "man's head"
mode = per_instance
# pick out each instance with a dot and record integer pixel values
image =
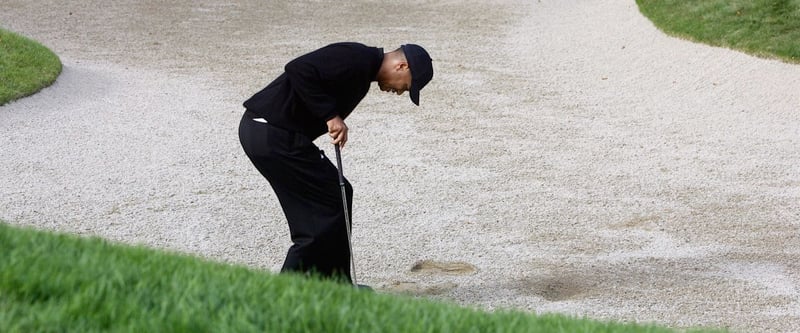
(408, 68)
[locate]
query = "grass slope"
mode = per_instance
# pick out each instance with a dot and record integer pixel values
(61, 283)
(25, 66)
(766, 28)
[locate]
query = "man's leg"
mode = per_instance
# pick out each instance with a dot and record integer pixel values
(307, 186)
(317, 225)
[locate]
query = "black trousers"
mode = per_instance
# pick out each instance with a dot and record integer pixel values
(307, 186)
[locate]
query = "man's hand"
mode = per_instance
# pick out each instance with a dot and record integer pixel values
(337, 129)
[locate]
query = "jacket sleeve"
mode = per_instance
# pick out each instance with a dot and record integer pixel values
(308, 82)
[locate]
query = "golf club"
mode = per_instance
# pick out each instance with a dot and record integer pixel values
(346, 212)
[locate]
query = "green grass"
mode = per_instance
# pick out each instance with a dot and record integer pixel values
(765, 28)
(25, 66)
(61, 283)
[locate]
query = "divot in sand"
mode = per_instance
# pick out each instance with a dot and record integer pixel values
(430, 267)
(443, 267)
(557, 289)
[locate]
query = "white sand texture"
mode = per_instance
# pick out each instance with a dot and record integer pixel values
(567, 157)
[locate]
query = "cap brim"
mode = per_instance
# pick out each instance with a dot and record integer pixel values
(414, 95)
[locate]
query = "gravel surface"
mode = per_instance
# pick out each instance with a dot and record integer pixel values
(567, 157)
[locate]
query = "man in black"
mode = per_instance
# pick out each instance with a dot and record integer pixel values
(313, 96)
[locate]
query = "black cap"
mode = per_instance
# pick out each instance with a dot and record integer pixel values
(421, 68)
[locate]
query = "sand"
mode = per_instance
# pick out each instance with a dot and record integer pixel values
(567, 157)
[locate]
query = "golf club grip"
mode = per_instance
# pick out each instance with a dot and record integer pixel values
(339, 164)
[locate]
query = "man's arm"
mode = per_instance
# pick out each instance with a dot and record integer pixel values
(307, 84)
(307, 81)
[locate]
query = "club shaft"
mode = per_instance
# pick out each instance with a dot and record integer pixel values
(346, 212)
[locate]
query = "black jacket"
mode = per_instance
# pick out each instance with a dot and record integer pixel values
(318, 86)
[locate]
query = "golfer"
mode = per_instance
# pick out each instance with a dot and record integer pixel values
(314, 95)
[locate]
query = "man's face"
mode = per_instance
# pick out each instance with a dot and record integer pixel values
(398, 81)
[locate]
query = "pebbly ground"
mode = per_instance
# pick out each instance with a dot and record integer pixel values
(568, 156)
